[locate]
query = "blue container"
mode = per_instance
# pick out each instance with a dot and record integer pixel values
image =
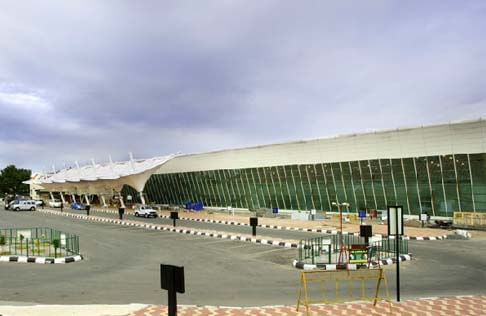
(362, 213)
(275, 210)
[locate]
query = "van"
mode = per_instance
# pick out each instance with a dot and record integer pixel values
(23, 205)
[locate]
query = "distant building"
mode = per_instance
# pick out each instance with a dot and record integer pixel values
(438, 169)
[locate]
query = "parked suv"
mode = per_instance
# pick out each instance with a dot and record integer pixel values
(55, 203)
(23, 205)
(145, 210)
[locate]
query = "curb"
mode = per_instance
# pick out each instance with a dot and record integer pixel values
(177, 230)
(330, 267)
(308, 230)
(41, 260)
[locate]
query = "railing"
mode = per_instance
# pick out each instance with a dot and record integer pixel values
(38, 242)
(320, 250)
(469, 219)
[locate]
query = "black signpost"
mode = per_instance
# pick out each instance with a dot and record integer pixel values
(174, 216)
(87, 207)
(366, 232)
(253, 224)
(395, 227)
(62, 205)
(172, 280)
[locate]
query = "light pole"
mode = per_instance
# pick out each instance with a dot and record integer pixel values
(342, 248)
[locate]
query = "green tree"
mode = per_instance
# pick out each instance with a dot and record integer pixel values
(11, 180)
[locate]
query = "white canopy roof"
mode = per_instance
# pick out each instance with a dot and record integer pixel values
(94, 178)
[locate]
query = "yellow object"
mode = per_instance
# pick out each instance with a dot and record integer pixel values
(469, 219)
(343, 276)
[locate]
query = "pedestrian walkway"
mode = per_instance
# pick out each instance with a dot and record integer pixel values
(460, 305)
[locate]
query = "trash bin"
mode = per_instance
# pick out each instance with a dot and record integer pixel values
(275, 210)
(373, 213)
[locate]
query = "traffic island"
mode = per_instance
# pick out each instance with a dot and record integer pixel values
(38, 245)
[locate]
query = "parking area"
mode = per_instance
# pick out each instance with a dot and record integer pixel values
(122, 266)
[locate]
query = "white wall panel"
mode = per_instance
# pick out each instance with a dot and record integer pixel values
(459, 137)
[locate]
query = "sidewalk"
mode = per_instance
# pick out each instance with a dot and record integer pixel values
(325, 224)
(461, 305)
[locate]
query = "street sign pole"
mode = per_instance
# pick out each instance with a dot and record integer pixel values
(397, 236)
(395, 228)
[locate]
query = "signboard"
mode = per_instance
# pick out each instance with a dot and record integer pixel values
(129, 197)
(63, 239)
(358, 256)
(423, 217)
(172, 278)
(326, 242)
(362, 213)
(313, 212)
(395, 220)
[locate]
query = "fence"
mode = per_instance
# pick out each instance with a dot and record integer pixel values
(318, 250)
(38, 241)
(469, 219)
(361, 285)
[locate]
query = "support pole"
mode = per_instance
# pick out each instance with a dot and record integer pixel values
(103, 200)
(142, 198)
(87, 199)
(62, 198)
(122, 204)
(397, 236)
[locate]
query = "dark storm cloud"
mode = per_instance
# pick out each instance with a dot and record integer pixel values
(91, 78)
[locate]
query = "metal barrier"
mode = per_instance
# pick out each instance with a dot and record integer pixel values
(469, 219)
(319, 250)
(38, 241)
(329, 281)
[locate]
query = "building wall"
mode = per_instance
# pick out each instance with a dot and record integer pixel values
(443, 139)
(437, 184)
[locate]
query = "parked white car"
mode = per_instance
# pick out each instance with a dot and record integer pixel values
(146, 211)
(55, 203)
(23, 205)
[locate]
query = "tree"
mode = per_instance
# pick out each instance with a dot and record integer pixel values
(11, 180)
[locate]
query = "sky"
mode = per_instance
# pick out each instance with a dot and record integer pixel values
(89, 79)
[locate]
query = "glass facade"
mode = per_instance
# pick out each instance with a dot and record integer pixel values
(439, 185)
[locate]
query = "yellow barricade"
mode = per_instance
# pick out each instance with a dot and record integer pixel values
(333, 279)
(469, 219)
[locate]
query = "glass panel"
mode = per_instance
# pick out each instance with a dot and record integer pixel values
(322, 187)
(423, 184)
(400, 184)
(411, 182)
(478, 166)
(464, 182)
(296, 203)
(437, 189)
(358, 185)
(284, 184)
(450, 183)
(331, 186)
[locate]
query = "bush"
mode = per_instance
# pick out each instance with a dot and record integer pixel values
(2, 240)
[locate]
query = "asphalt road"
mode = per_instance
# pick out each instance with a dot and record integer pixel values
(276, 233)
(122, 266)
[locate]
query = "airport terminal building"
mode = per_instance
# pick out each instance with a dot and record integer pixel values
(438, 169)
